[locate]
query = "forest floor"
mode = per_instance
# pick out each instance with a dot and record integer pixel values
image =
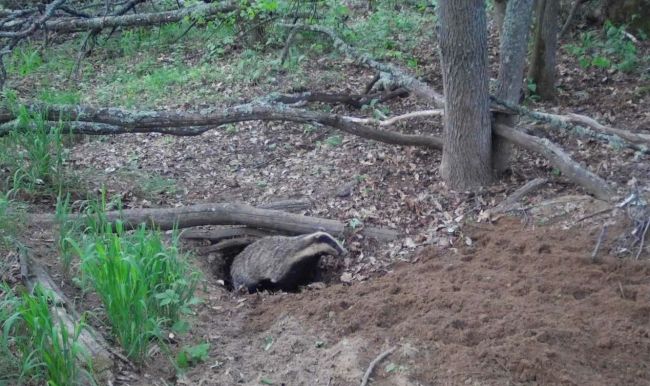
(513, 301)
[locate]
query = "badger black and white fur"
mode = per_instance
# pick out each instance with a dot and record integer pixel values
(281, 262)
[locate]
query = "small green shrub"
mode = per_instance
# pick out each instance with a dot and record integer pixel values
(190, 356)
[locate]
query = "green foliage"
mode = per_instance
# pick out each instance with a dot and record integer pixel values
(24, 61)
(334, 140)
(388, 32)
(144, 284)
(37, 346)
(60, 97)
(11, 214)
(34, 156)
(190, 356)
(611, 49)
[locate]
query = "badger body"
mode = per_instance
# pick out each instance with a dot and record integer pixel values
(281, 262)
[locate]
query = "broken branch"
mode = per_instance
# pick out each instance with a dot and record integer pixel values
(561, 160)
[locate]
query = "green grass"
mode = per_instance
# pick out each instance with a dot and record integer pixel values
(34, 156)
(145, 284)
(35, 347)
(11, 220)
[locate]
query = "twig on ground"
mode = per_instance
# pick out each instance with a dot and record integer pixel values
(603, 231)
(645, 230)
(393, 120)
(598, 213)
(374, 363)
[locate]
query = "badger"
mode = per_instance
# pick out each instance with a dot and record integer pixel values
(281, 262)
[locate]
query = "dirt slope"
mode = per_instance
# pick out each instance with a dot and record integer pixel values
(522, 305)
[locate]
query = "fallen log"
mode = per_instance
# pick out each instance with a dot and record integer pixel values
(232, 214)
(66, 24)
(174, 122)
(228, 248)
(96, 121)
(582, 125)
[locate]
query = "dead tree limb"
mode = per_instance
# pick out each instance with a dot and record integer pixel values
(232, 214)
(583, 125)
(118, 121)
(561, 160)
(49, 12)
(94, 121)
(399, 77)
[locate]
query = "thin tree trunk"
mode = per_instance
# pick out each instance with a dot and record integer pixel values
(542, 64)
(466, 156)
(513, 46)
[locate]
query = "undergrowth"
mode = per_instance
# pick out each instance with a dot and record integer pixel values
(609, 48)
(146, 285)
(37, 347)
(33, 158)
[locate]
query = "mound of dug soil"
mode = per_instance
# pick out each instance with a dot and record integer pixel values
(522, 305)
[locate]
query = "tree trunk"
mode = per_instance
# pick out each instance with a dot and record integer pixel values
(466, 156)
(499, 14)
(512, 54)
(542, 64)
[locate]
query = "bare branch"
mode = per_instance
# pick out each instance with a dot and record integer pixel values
(49, 11)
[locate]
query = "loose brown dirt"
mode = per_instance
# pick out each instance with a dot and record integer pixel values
(522, 305)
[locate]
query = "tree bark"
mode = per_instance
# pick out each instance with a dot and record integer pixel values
(543, 57)
(512, 55)
(499, 12)
(466, 156)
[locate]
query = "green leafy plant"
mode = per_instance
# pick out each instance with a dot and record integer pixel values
(190, 356)
(334, 140)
